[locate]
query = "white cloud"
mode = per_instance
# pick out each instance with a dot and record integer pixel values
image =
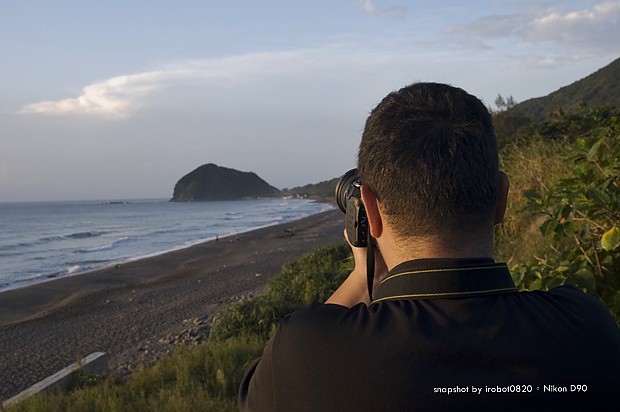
(114, 97)
(591, 31)
(120, 97)
(591, 28)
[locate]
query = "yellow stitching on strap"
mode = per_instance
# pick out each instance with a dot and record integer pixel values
(426, 295)
(417, 272)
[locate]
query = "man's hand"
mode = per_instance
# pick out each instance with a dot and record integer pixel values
(354, 289)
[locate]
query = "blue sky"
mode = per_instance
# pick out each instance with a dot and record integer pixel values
(119, 99)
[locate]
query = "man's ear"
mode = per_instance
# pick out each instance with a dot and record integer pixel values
(371, 204)
(503, 185)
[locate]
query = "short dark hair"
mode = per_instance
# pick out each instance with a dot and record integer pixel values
(428, 151)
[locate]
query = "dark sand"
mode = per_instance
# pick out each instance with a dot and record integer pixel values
(126, 310)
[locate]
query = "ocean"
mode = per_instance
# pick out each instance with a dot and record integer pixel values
(44, 240)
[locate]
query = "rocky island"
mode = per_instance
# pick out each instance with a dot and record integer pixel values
(212, 182)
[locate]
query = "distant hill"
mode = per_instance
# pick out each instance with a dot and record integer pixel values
(213, 182)
(323, 190)
(601, 88)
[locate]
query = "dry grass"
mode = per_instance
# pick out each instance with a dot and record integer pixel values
(531, 167)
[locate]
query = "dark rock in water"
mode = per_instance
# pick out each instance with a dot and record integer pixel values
(212, 182)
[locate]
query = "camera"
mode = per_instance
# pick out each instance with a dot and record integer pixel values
(349, 200)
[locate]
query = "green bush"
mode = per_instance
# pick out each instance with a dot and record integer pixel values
(251, 317)
(313, 277)
(582, 215)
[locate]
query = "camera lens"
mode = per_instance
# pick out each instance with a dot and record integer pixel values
(342, 188)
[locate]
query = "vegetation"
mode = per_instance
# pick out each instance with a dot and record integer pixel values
(580, 214)
(323, 190)
(530, 167)
(314, 277)
(507, 120)
(205, 378)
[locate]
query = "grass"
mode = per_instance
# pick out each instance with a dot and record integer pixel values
(532, 166)
(204, 378)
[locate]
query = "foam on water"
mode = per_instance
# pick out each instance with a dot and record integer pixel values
(74, 269)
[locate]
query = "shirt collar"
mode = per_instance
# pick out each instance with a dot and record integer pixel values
(445, 278)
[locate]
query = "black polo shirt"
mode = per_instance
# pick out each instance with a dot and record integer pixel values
(442, 334)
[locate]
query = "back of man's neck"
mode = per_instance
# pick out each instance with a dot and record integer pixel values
(436, 249)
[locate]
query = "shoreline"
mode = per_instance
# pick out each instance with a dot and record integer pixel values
(127, 309)
(52, 276)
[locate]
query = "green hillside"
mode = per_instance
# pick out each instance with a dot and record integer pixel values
(323, 190)
(599, 89)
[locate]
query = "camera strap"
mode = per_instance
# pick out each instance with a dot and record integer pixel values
(370, 264)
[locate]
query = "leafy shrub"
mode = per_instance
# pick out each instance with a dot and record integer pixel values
(582, 215)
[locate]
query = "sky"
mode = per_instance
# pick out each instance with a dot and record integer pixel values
(120, 99)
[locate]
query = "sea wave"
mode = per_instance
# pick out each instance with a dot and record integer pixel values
(51, 238)
(76, 235)
(107, 246)
(84, 235)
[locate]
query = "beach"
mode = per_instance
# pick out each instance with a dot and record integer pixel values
(132, 310)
